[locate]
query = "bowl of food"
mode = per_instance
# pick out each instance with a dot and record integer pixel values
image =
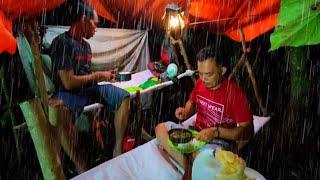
(180, 136)
(183, 141)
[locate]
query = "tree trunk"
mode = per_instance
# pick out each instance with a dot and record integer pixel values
(297, 106)
(299, 76)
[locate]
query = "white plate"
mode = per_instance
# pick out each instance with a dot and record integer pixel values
(253, 174)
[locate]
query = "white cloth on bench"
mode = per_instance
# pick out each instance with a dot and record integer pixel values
(146, 162)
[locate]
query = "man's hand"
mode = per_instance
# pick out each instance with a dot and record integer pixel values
(180, 113)
(114, 73)
(207, 134)
(105, 76)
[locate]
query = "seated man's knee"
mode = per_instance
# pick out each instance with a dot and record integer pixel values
(126, 101)
(125, 104)
(161, 127)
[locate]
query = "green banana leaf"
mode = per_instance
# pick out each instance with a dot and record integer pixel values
(28, 64)
(27, 61)
(298, 24)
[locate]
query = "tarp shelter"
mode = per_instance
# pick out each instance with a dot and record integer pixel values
(222, 17)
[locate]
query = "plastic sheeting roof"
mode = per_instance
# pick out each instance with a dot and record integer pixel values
(223, 16)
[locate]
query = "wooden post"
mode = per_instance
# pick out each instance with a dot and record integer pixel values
(184, 54)
(182, 51)
(44, 138)
(242, 60)
(139, 122)
(237, 66)
(243, 57)
(255, 88)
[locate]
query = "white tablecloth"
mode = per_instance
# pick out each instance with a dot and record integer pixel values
(141, 77)
(136, 79)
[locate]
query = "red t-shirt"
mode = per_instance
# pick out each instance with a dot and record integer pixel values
(225, 106)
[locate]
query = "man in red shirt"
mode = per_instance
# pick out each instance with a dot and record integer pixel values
(221, 105)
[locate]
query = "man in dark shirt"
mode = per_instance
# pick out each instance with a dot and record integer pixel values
(75, 82)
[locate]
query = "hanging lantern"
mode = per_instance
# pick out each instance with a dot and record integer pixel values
(173, 19)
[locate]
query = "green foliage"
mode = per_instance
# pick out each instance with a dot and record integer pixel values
(27, 60)
(5, 119)
(298, 24)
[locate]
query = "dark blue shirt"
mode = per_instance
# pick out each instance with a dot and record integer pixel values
(67, 54)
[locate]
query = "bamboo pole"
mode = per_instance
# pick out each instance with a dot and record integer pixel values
(243, 57)
(237, 66)
(172, 45)
(242, 60)
(182, 51)
(22, 126)
(255, 88)
(44, 138)
(185, 58)
(184, 54)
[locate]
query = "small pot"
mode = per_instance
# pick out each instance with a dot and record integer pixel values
(124, 76)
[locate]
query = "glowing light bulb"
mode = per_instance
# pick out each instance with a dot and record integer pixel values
(174, 22)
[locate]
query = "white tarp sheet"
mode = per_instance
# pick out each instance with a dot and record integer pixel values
(144, 162)
(148, 161)
(124, 49)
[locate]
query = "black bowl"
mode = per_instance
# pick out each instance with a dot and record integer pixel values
(180, 136)
(123, 76)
